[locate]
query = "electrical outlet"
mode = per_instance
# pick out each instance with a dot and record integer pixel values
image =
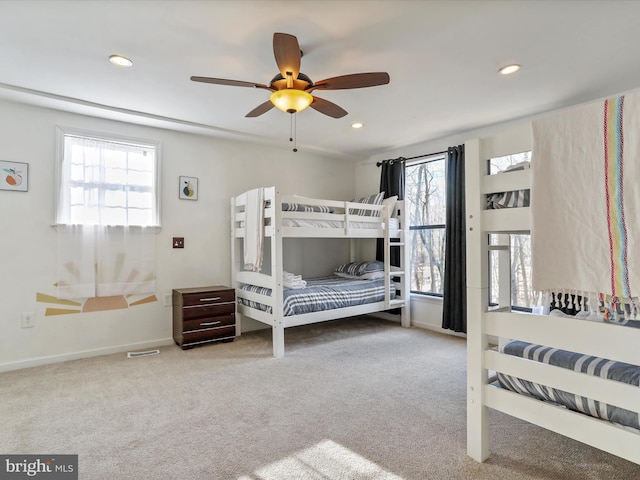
(178, 242)
(166, 300)
(28, 320)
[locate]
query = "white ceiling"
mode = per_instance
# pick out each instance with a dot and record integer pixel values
(442, 57)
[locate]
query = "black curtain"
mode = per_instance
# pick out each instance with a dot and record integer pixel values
(454, 314)
(391, 183)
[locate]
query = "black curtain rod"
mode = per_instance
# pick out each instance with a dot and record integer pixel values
(379, 164)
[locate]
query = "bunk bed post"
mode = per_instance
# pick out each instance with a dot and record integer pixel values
(276, 274)
(477, 303)
(234, 261)
(352, 250)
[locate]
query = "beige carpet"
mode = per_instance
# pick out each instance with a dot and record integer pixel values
(352, 399)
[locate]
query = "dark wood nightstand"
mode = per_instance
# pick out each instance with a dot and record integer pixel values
(203, 315)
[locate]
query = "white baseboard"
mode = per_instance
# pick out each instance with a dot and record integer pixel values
(436, 328)
(419, 324)
(35, 362)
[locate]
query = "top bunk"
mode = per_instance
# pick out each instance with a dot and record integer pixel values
(294, 216)
(500, 199)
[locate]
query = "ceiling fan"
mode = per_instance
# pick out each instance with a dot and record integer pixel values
(291, 89)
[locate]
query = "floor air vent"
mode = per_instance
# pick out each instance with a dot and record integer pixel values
(142, 354)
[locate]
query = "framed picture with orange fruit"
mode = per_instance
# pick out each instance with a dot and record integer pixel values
(14, 176)
(188, 188)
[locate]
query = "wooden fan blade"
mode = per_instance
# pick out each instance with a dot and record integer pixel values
(355, 80)
(287, 52)
(260, 109)
(328, 108)
(232, 83)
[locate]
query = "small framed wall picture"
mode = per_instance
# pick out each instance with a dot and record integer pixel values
(188, 188)
(14, 176)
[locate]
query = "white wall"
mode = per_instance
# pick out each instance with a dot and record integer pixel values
(511, 137)
(28, 241)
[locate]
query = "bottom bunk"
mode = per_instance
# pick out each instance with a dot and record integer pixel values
(574, 376)
(321, 294)
(315, 300)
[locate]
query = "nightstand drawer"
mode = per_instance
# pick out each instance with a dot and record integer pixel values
(192, 312)
(220, 333)
(209, 322)
(207, 298)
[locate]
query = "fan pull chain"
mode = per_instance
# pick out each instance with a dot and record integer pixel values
(293, 131)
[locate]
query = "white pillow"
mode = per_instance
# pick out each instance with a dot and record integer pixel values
(391, 203)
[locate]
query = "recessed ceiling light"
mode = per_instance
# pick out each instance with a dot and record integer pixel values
(357, 125)
(509, 69)
(120, 61)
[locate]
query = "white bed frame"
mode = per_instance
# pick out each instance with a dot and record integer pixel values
(485, 327)
(276, 232)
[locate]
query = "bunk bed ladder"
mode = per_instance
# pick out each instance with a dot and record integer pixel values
(399, 242)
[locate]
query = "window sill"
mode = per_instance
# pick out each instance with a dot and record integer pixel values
(420, 298)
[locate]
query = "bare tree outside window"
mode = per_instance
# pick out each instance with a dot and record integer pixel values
(425, 196)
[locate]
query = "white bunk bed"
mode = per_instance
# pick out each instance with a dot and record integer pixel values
(336, 219)
(486, 327)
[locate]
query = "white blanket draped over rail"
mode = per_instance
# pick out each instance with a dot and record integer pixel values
(585, 199)
(254, 230)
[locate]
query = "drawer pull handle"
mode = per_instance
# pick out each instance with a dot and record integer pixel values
(209, 324)
(212, 299)
(205, 305)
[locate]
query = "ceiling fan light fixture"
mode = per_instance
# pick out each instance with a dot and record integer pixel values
(290, 100)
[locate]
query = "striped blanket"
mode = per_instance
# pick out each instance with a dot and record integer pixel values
(619, 371)
(585, 201)
(513, 199)
(323, 293)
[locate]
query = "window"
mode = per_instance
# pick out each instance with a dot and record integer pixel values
(106, 181)
(107, 214)
(522, 297)
(425, 197)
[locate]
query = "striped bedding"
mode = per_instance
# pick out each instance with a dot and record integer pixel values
(514, 199)
(323, 293)
(297, 207)
(517, 198)
(619, 371)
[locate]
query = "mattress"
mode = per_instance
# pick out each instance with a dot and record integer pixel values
(589, 365)
(323, 293)
(300, 222)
